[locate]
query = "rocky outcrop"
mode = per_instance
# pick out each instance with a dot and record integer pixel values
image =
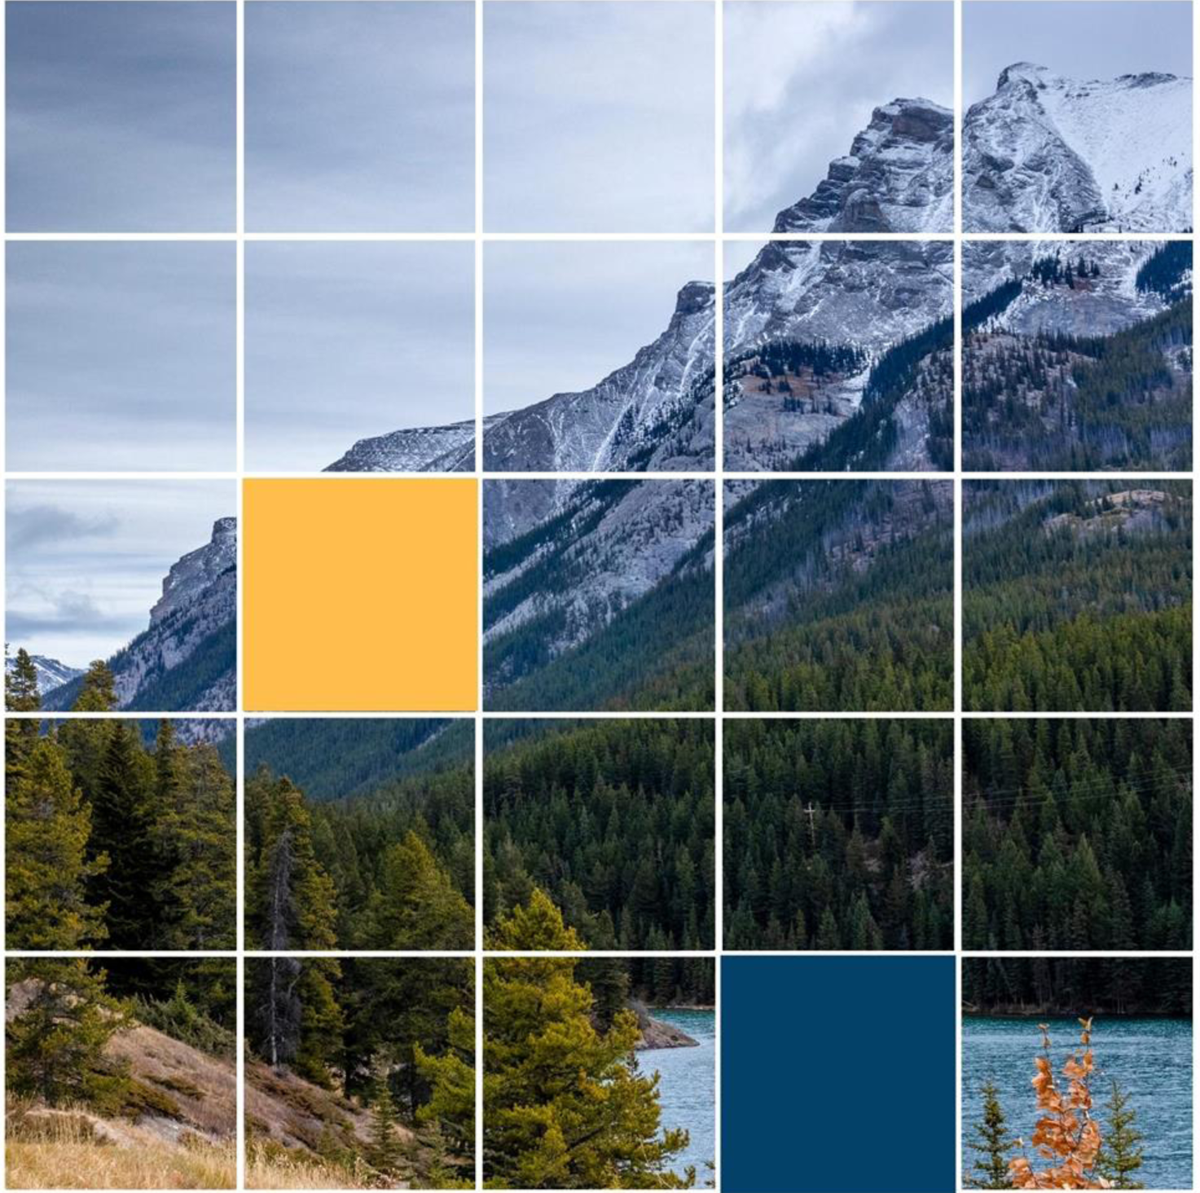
(897, 177)
(185, 660)
(1046, 153)
(449, 448)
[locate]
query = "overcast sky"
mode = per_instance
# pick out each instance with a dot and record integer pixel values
(121, 357)
(346, 341)
(559, 317)
(801, 80)
(1082, 39)
(86, 559)
(599, 116)
(360, 116)
(121, 116)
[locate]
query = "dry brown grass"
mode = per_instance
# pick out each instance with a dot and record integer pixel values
(75, 1150)
(274, 1171)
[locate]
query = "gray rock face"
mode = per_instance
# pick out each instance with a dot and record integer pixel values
(197, 570)
(1100, 306)
(897, 177)
(609, 543)
(1050, 154)
(186, 659)
(450, 448)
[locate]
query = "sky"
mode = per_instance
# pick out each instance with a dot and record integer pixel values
(560, 316)
(360, 116)
(1082, 39)
(121, 356)
(121, 116)
(85, 560)
(801, 80)
(599, 116)
(350, 340)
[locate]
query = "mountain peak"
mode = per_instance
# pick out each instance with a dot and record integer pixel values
(897, 177)
(195, 571)
(1027, 72)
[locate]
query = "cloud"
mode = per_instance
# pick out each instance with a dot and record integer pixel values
(801, 80)
(31, 526)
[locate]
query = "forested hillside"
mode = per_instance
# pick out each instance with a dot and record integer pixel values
(393, 1042)
(1077, 834)
(613, 819)
(111, 843)
(1074, 986)
(1077, 595)
(839, 596)
(391, 867)
(839, 834)
(1082, 399)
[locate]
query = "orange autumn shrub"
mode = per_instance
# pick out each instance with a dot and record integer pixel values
(1065, 1132)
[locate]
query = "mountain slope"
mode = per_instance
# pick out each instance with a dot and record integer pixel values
(897, 177)
(1049, 154)
(186, 659)
(605, 602)
(1077, 355)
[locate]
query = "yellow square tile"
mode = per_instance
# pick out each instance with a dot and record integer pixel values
(360, 595)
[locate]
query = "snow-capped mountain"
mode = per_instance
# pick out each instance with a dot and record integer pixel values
(1046, 153)
(897, 177)
(185, 660)
(51, 673)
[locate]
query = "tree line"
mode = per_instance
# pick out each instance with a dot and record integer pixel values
(1077, 835)
(614, 820)
(839, 835)
(110, 842)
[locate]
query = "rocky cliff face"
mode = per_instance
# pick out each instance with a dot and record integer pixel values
(897, 177)
(421, 449)
(186, 659)
(1046, 153)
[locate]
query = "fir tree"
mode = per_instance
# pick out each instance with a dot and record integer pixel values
(47, 829)
(451, 1078)
(991, 1143)
(385, 1153)
(1120, 1156)
(97, 692)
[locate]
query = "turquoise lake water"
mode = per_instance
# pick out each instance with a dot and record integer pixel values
(1150, 1058)
(687, 1086)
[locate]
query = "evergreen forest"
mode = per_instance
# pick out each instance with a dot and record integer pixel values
(1077, 596)
(614, 820)
(839, 596)
(839, 834)
(392, 1040)
(1077, 835)
(389, 865)
(1071, 986)
(114, 841)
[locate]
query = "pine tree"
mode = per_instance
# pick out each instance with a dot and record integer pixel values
(97, 692)
(1120, 1156)
(20, 695)
(451, 1077)
(193, 831)
(564, 1105)
(416, 905)
(122, 829)
(385, 1153)
(47, 829)
(992, 1144)
(60, 1022)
